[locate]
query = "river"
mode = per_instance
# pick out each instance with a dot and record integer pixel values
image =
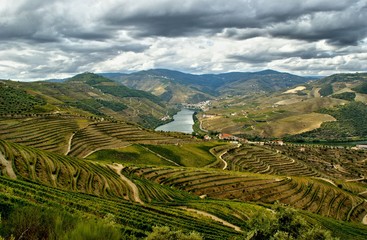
(182, 122)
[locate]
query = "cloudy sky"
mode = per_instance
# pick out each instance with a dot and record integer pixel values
(42, 39)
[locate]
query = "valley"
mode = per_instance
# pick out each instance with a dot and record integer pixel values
(87, 147)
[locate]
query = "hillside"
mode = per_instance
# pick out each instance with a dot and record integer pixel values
(327, 104)
(140, 197)
(69, 155)
(178, 87)
(84, 94)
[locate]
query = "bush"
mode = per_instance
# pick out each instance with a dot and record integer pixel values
(285, 224)
(349, 96)
(33, 223)
(93, 230)
(164, 233)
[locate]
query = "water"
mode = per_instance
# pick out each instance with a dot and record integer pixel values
(182, 122)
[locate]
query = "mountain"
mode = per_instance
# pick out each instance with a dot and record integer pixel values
(86, 94)
(178, 87)
(332, 109)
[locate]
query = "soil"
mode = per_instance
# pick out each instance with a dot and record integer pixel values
(215, 218)
(134, 188)
(7, 167)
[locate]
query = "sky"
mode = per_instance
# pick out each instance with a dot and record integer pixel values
(42, 39)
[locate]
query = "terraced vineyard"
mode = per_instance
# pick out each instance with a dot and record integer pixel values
(309, 194)
(248, 158)
(104, 135)
(76, 136)
(64, 172)
(42, 159)
(50, 133)
(132, 218)
(335, 162)
(103, 192)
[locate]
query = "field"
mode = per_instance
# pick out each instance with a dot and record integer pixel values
(132, 154)
(183, 154)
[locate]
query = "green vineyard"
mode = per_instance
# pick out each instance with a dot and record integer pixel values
(260, 160)
(213, 188)
(309, 194)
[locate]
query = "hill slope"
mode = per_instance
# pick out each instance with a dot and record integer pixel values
(296, 110)
(178, 87)
(84, 94)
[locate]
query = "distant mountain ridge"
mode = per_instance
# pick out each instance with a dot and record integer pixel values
(177, 87)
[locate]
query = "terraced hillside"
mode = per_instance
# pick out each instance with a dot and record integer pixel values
(106, 135)
(77, 136)
(78, 175)
(248, 158)
(331, 108)
(142, 197)
(62, 172)
(336, 162)
(133, 219)
(313, 195)
(50, 133)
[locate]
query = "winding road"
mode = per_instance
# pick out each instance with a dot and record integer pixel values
(69, 143)
(220, 156)
(135, 191)
(8, 166)
(364, 220)
(213, 217)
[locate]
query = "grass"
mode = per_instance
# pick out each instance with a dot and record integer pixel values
(133, 154)
(187, 154)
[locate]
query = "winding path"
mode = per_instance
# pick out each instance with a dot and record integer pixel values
(8, 166)
(326, 180)
(135, 191)
(220, 156)
(225, 163)
(201, 126)
(364, 220)
(356, 180)
(215, 218)
(69, 143)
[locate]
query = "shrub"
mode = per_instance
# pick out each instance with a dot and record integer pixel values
(42, 223)
(165, 233)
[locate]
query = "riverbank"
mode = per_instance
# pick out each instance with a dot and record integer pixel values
(182, 122)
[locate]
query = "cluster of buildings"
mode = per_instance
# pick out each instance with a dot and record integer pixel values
(201, 105)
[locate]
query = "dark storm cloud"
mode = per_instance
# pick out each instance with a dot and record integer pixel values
(257, 57)
(338, 22)
(66, 36)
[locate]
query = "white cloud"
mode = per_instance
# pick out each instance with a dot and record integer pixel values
(43, 39)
